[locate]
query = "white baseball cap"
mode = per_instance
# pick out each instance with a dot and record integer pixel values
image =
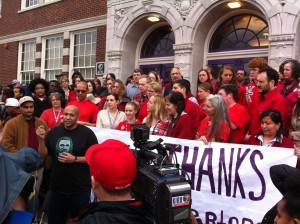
(25, 99)
(12, 102)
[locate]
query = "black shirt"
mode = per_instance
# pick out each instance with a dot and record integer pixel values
(70, 177)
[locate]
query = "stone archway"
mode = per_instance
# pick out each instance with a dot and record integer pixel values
(206, 17)
(129, 25)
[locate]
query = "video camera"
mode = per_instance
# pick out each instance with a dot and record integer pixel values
(165, 191)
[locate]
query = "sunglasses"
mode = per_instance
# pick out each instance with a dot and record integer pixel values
(80, 91)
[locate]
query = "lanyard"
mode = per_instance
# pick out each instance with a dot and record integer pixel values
(56, 117)
(112, 124)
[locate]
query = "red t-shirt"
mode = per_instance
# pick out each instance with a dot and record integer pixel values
(291, 101)
(72, 96)
(238, 116)
(124, 126)
(204, 130)
(271, 100)
(143, 111)
(242, 96)
(49, 118)
(88, 111)
(251, 94)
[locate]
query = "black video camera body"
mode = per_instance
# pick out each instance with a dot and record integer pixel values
(165, 192)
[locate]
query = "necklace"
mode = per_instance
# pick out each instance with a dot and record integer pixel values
(110, 119)
(56, 117)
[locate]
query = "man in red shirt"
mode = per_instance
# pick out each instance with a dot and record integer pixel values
(183, 86)
(269, 98)
(238, 114)
(255, 65)
(88, 111)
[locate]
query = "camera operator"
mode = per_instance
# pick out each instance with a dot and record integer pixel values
(113, 169)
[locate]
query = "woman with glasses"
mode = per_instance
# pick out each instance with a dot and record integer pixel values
(152, 89)
(216, 126)
(181, 122)
(154, 77)
(157, 119)
(110, 117)
(203, 77)
(228, 76)
(53, 116)
(117, 87)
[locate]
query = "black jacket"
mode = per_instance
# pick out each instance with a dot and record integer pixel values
(131, 212)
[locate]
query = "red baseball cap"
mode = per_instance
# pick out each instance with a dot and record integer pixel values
(112, 164)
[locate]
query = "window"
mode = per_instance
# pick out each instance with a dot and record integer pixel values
(84, 59)
(53, 57)
(241, 32)
(0, 7)
(28, 62)
(30, 3)
(159, 43)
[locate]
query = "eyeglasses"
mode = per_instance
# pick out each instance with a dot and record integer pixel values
(150, 91)
(115, 86)
(80, 91)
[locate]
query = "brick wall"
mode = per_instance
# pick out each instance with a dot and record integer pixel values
(101, 42)
(55, 13)
(8, 63)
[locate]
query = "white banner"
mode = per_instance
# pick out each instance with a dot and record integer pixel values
(231, 182)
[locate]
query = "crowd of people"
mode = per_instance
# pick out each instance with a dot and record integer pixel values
(50, 117)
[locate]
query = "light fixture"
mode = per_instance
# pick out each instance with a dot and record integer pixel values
(153, 18)
(234, 5)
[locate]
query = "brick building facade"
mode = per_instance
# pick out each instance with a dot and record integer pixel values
(46, 37)
(40, 38)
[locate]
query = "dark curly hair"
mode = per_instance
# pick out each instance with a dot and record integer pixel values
(295, 68)
(178, 100)
(36, 81)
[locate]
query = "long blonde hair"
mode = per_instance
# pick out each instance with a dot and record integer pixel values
(159, 110)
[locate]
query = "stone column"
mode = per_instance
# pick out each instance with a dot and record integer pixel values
(114, 62)
(281, 48)
(183, 59)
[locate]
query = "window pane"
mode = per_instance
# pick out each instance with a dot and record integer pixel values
(28, 62)
(85, 53)
(159, 43)
(240, 32)
(53, 57)
(0, 7)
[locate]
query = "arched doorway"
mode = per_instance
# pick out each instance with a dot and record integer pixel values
(157, 52)
(235, 37)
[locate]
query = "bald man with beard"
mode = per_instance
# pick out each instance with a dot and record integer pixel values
(70, 178)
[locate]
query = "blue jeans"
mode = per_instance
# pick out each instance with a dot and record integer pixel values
(60, 203)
